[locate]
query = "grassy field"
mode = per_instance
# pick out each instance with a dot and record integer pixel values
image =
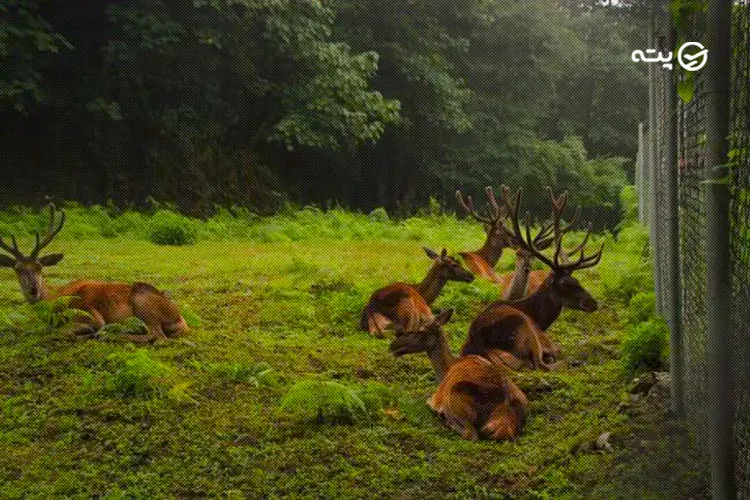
(209, 415)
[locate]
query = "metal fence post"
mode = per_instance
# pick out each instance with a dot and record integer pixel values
(718, 265)
(652, 167)
(673, 292)
(640, 183)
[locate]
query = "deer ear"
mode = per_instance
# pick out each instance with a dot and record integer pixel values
(444, 253)
(51, 259)
(443, 317)
(430, 253)
(6, 261)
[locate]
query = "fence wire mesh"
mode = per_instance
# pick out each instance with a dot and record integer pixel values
(691, 168)
(740, 237)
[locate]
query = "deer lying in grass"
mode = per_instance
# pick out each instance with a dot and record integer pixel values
(103, 302)
(513, 332)
(409, 304)
(482, 262)
(475, 397)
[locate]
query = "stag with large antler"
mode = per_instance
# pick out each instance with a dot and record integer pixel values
(103, 302)
(482, 262)
(409, 304)
(523, 281)
(514, 331)
(476, 397)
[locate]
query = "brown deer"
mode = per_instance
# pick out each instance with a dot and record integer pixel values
(517, 328)
(103, 302)
(409, 304)
(482, 262)
(475, 397)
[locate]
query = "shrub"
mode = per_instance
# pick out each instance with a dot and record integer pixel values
(379, 215)
(642, 307)
(170, 228)
(135, 374)
(329, 402)
(645, 346)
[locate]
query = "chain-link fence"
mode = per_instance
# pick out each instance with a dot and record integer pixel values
(655, 167)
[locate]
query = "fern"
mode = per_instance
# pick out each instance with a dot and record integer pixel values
(327, 402)
(255, 374)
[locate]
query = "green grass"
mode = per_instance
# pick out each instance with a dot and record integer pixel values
(231, 410)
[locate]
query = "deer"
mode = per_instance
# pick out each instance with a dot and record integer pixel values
(514, 332)
(523, 280)
(482, 262)
(101, 302)
(408, 304)
(475, 397)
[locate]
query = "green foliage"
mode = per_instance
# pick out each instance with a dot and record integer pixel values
(629, 268)
(338, 100)
(329, 402)
(26, 39)
(132, 374)
(255, 374)
(645, 346)
(642, 307)
(629, 206)
(170, 228)
(56, 313)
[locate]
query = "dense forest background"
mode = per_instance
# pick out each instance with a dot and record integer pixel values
(362, 103)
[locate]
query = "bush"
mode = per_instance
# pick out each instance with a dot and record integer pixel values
(132, 374)
(642, 307)
(328, 402)
(645, 347)
(170, 228)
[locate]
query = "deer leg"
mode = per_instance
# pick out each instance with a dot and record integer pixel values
(155, 333)
(86, 325)
(528, 337)
(550, 350)
(505, 358)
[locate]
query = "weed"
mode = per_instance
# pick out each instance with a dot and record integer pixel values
(645, 346)
(169, 228)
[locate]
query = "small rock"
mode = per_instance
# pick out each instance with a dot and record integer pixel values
(643, 384)
(602, 442)
(659, 393)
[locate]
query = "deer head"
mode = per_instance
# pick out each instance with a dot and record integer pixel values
(563, 285)
(426, 339)
(29, 268)
(498, 235)
(447, 268)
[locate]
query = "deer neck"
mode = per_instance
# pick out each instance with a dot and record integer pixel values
(431, 285)
(520, 281)
(543, 306)
(441, 357)
(491, 251)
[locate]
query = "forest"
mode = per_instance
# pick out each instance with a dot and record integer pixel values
(355, 103)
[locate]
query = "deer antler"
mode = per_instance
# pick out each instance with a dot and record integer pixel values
(13, 250)
(531, 245)
(51, 232)
(497, 212)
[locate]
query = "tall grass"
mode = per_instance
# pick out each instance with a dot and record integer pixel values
(165, 226)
